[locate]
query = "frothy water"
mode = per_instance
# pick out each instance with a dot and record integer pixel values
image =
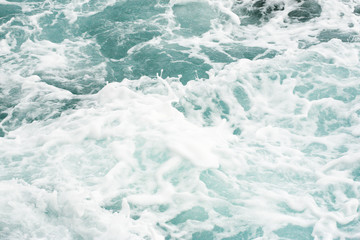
(180, 119)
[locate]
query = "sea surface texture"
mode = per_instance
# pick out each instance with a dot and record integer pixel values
(180, 119)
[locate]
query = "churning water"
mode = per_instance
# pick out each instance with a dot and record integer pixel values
(179, 119)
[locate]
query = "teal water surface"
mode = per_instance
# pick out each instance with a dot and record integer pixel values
(178, 119)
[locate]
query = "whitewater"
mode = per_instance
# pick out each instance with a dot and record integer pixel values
(180, 119)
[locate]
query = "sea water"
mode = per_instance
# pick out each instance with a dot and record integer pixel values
(180, 119)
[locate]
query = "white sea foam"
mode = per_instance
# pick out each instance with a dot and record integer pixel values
(263, 148)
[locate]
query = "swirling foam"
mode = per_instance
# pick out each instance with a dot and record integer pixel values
(179, 119)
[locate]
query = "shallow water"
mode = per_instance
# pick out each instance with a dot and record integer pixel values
(180, 119)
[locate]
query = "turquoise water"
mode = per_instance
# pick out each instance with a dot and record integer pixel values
(180, 119)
